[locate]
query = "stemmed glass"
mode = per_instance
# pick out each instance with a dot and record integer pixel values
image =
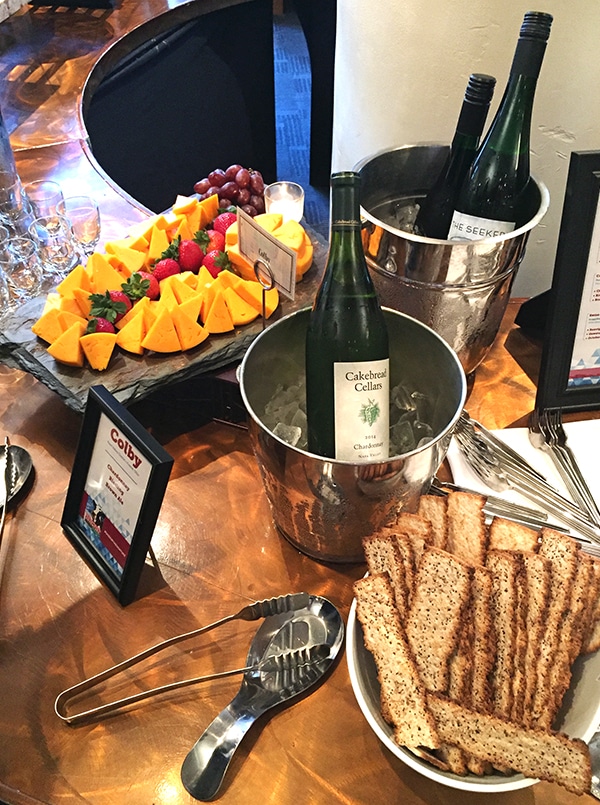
(55, 242)
(22, 271)
(84, 216)
(44, 197)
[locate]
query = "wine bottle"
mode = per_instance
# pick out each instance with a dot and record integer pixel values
(492, 200)
(347, 351)
(437, 208)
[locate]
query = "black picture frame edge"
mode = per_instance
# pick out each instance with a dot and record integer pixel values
(577, 223)
(100, 400)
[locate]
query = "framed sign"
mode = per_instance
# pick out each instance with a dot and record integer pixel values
(570, 368)
(117, 486)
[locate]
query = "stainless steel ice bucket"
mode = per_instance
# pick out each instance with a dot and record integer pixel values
(325, 507)
(458, 288)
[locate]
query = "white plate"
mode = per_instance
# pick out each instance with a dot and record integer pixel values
(579, 717)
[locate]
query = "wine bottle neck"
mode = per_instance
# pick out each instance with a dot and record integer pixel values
(470, 122)
(510, 128)
(345, 209)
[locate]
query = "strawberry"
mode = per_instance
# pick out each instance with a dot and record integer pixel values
(100, 325)
(223, 221)
(111, 305)
(140, 284)
(121, 296)
(165, 267)
(210, 239)
(190, 255)
(216, 261)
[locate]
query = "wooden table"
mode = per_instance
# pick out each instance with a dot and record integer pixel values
(217, 549)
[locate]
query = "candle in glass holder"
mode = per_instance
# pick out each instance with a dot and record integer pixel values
(286, 198)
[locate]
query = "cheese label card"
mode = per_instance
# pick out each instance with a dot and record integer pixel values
(256, 244)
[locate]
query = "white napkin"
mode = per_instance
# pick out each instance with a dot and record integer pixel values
(583, 438)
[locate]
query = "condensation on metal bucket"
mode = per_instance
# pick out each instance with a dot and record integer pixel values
(326, 507)
(458, 288)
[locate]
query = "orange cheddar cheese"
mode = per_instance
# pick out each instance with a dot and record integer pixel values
(67, 347)
(97, 348)
(162, 335)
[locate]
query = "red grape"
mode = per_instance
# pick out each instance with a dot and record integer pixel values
(229, 190)
(256, 182)
(232, 170)
(258, 202)
(242, 177)
(201, 186)
(243, 196)
(217, 177)
(235, 186)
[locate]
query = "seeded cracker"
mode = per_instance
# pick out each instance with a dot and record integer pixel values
(416, 529)
(538, 571)
(536, 753)
(505, 566)
(434, 509)
(507, 535)
(384, 555)
(562, 552)
(441, 595)
(401, 686)
(467, 533)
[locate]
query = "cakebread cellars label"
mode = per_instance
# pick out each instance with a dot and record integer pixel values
(361, 400)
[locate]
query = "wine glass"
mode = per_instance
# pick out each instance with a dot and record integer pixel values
(84, 216)
(56, 244)
(21, 267)
(44, 197)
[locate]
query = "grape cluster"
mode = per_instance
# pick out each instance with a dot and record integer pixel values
(237, 185)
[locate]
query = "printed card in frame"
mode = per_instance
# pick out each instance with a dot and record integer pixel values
(570, 368)
(118, 481)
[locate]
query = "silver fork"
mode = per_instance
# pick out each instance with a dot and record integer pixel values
(500, 477)
(547, 433)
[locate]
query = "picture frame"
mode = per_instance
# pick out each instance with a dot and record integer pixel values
(117, 486)
(570, 366)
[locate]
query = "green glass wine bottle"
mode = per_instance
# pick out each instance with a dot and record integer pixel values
(347, 350)
(436, 209)
(492, 200)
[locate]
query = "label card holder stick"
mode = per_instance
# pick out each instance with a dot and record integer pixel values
(264, 275)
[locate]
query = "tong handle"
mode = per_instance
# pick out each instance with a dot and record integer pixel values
(259, 609)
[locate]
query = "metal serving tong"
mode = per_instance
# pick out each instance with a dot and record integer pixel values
(6, 481)
(251, 612)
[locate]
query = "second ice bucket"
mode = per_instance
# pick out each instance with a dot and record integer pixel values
(458, 288)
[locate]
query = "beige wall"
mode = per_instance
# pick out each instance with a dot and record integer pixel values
(401, 69)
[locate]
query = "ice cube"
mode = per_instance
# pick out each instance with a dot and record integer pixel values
(289, 433)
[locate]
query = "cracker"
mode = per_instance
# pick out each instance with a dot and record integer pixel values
(535, 753)
(399, 679)
(467, 532)
(538, 571)
(562, 552)
(434, 509)
(484, 640)
(441, 595)
(505, 567)
(506, 535)
(383, 556)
